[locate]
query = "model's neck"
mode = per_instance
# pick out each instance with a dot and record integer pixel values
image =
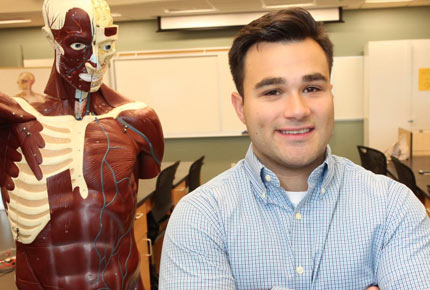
(74, 100)
(80, 108)
(28, 91)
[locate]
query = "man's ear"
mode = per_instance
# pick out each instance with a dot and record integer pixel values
(48, 34)
(237, 101)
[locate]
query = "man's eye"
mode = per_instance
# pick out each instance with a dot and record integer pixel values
(272, 93)
(311, 89)
(78, 46)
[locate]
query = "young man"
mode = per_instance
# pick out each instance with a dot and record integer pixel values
(291, 215)
(71, 202)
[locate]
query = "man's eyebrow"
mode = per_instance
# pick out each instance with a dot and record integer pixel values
(270, 81)
(314, 77)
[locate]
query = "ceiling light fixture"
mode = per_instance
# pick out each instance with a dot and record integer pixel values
(15, 21)
(205, 9)
(282, 6)
(178, 11)
(386, 1)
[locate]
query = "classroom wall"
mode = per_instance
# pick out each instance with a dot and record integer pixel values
(349, 39)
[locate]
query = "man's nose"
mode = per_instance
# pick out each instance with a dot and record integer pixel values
(296, 106)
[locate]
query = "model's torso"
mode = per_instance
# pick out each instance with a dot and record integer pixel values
(78, 219)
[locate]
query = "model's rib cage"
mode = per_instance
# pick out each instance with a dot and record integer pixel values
(28, 209)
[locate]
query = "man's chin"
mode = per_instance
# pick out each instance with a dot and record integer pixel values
(305, 159)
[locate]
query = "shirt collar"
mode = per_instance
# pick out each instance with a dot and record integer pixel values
(323, 174)
(254, 169)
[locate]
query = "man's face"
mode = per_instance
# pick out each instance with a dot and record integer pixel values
(83, 50)
(288, 105)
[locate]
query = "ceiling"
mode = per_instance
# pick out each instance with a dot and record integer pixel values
(131, 10)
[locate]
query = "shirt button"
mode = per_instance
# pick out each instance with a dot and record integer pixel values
(263, 195)
(298, 216)
(267, 177)
(300, 270)
(323, 190)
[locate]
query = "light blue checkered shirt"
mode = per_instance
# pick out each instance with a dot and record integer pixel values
(352, 230)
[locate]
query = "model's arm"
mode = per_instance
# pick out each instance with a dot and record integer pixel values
(404, 261)
(18, 129)
(194, 254)
(144, 127)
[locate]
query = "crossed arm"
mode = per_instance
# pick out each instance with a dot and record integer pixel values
(194, 253)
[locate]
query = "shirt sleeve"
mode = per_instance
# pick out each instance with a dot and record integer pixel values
(194, 254)
(404, 261)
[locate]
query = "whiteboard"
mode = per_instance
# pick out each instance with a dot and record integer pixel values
(191, 90)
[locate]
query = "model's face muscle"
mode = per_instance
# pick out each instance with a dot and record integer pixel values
(83, 50)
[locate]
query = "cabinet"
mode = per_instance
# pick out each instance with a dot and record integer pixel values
(391, 89)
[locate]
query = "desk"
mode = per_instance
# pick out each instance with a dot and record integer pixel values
(146, 187)
(417, 163)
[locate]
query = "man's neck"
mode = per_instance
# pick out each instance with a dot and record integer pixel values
(295, 179)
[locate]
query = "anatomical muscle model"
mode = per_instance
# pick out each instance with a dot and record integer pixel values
(70, 163)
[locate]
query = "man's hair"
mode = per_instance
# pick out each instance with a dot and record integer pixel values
(293, 24)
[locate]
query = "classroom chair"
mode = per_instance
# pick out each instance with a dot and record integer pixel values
(407, 177)
(159, 216)
(193, 178)
(373, 160)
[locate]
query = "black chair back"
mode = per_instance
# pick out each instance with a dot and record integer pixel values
(163, 192)
(373, 160)
(194, 174)
(406, 176)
